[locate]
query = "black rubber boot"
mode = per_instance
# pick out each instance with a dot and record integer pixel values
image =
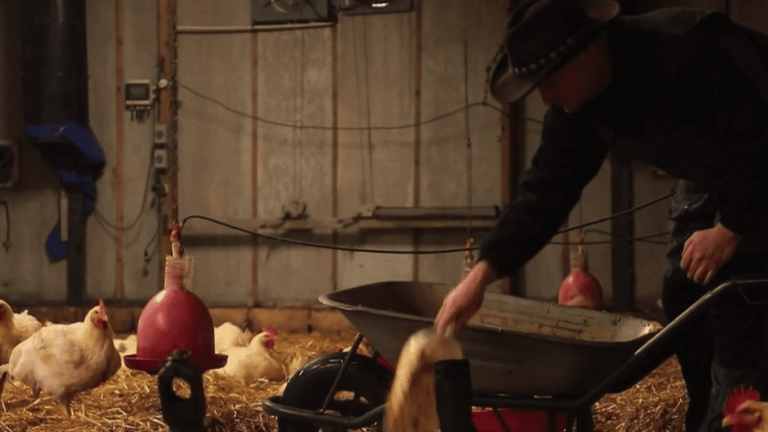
(453, 395)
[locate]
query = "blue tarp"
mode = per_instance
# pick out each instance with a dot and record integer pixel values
(89, 160)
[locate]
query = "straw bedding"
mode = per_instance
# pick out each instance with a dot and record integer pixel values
(129, 400)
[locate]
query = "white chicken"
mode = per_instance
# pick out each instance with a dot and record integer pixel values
(65, 359)
(411, 403)
(254, 362)
(228, 335)
(14, 328)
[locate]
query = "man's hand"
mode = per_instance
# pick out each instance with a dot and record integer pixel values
(706, 251)
(464, 300)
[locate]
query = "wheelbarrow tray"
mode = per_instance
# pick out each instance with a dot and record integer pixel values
(515, 346)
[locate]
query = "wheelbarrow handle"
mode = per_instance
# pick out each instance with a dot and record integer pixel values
(662, 346)
(747, 281)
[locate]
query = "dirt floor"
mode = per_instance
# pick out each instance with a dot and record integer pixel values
(129, 401)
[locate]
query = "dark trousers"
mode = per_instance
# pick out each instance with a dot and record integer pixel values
(727, 349)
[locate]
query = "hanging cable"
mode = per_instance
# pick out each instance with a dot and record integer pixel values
(297, 132)
(317, 245)
(361, 130)
(622, 213)
(150, 170)
(435, 251)
(368, 110)
(466, 126)
(341, 128)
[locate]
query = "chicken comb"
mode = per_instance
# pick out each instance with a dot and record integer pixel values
(102, 308)
(268, 329)
(739, 396)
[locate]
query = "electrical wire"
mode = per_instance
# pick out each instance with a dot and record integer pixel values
(103, 220)
(151, 248)
(467, 130)
(318, 245)
(433, 251)
(370, 128)
(645, 239)
(621, 213)
(347, 128)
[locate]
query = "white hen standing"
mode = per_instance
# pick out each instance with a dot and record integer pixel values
(14, 328)
(254, 362)
(65, 359)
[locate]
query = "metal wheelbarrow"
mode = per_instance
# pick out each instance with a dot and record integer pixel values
(522, 354)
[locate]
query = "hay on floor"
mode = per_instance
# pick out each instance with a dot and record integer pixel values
(129, 400)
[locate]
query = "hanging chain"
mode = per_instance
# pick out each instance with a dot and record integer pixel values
(368, 107)
(466, 123)
(297, 133)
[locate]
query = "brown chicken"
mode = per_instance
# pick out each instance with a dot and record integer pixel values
(14, 328)
(65, 359)
(744, 412)
(254, 362)
(411, 404)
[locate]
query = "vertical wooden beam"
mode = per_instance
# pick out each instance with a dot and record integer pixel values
(255, 163)
(510, 151)
(166, 106)
(119, 174)
(622, 253)
(417, 30)
(334, 152)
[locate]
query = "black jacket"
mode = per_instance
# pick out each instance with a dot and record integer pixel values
(680, 101)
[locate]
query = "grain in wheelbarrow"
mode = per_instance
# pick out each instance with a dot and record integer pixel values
(129, 400)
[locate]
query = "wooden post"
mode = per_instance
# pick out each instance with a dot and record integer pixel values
(166, 106)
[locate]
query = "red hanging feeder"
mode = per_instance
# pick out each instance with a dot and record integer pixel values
(580, 288)
(175, 319)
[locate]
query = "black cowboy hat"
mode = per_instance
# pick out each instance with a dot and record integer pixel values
(543, 35)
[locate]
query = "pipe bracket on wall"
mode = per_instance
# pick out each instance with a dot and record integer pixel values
(368, 7)
(290, 11)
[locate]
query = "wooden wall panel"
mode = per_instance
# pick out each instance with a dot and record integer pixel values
(459, 41)
(214, 177)
(103, 88)
(376, 88)
(294, 72)
(140, 62)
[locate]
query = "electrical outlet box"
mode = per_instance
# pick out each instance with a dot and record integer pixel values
(160, 158)
(290, 11)
(161, 134)
(9, 163)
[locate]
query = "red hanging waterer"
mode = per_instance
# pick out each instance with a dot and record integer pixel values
(580, 288)
(175, 319)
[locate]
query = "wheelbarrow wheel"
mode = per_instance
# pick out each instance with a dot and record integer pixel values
(363, 386)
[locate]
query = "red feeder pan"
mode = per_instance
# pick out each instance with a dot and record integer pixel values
(175, 319)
